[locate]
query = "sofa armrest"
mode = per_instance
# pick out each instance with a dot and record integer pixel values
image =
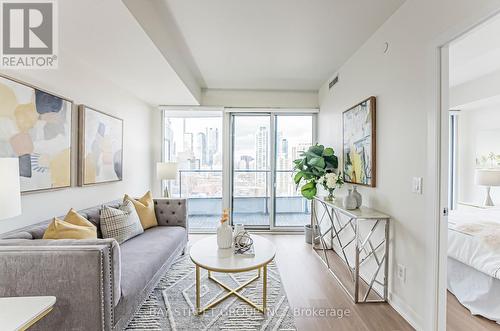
(171, 212)
(112, 244)
(79, 276)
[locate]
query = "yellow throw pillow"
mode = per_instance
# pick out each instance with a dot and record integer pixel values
(74, 226)
(145, 208)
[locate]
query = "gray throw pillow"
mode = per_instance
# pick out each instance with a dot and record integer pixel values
(122, 223)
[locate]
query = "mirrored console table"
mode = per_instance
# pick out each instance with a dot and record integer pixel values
(354, 245)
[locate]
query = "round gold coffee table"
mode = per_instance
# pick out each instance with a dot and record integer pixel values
(206, 255)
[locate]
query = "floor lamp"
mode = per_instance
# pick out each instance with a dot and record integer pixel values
(166, 171)
(10, 190)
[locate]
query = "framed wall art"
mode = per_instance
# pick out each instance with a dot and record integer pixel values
(100, 156)
(35, 126)
(359, 142)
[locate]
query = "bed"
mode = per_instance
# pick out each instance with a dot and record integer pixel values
(474, 259)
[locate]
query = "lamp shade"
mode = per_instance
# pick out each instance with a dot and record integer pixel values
(487, 177)
(166, 170)
(10, 189)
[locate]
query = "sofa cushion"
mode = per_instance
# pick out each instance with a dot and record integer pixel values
(121, 223)
(94, 216)
(145, 208)
(74, 226)
(143, 256)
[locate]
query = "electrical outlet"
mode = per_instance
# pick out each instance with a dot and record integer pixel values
(417, 185)
(401, 273)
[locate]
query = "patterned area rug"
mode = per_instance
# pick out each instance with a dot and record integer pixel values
(171, 305)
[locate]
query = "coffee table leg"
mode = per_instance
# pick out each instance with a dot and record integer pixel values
(197, 289)
(264, 289)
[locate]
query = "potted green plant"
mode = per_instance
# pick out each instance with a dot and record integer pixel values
(314, 164)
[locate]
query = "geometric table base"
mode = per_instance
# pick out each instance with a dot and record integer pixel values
(231, 291)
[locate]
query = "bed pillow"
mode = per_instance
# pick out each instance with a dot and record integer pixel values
(145, 208)
(74, 226)
(120, 223)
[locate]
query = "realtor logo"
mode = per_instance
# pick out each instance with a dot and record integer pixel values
(29, 34)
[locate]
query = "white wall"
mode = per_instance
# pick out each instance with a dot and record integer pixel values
(405, 82)
(80, 83)
(259, 98)
(470, 123)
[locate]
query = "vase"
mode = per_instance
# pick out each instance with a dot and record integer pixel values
(357, 195)
(330, 197)
(224, 236)
(350, 202)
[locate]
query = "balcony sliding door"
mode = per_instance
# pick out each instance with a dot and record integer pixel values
(240, 160)
(251, 170)
(263, 148)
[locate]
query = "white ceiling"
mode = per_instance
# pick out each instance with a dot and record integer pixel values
(278, 44)
(105, 35)
(493, 102)
(476, 54)
(165, 51)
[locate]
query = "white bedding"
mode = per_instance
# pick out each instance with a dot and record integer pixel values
(474, 250)
(475, 290)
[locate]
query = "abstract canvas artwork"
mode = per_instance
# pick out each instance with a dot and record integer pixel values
(35, 126)
(359, 143)
(101, 147)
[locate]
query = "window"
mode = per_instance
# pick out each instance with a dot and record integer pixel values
(257, 184)
(194, 141)
(294, 135)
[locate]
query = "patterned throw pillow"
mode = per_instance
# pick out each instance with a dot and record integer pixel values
(122, 223)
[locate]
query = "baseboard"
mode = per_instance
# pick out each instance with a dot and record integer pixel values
(405, 311)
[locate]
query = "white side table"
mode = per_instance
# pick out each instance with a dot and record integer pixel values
(19, 313)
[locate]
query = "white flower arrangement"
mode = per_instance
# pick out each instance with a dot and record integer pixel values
(330, 181)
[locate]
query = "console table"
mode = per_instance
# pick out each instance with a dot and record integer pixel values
(335, 225)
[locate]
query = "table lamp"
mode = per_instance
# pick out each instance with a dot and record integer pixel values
(166, 171)
(10, 189)
(488, 178)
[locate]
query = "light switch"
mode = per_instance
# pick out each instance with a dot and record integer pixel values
(417, 185)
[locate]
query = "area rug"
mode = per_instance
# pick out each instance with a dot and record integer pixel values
(171, 305)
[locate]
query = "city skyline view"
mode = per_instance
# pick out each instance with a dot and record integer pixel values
(195, 143)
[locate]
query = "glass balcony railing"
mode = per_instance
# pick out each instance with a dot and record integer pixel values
(251, 198)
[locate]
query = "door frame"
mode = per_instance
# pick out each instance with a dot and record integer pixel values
(438, 161)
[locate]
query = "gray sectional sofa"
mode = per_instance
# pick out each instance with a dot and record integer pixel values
(98, 284)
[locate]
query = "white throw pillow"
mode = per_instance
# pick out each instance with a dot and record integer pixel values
(122, 223)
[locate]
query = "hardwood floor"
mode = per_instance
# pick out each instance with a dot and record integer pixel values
(309, 286)
(459, 318)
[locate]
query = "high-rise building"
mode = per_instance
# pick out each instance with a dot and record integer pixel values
(212, 136)
(169, 145)
(200, 148)
(188, 142)
(261, 148)
(284, 147)
(261, 155)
